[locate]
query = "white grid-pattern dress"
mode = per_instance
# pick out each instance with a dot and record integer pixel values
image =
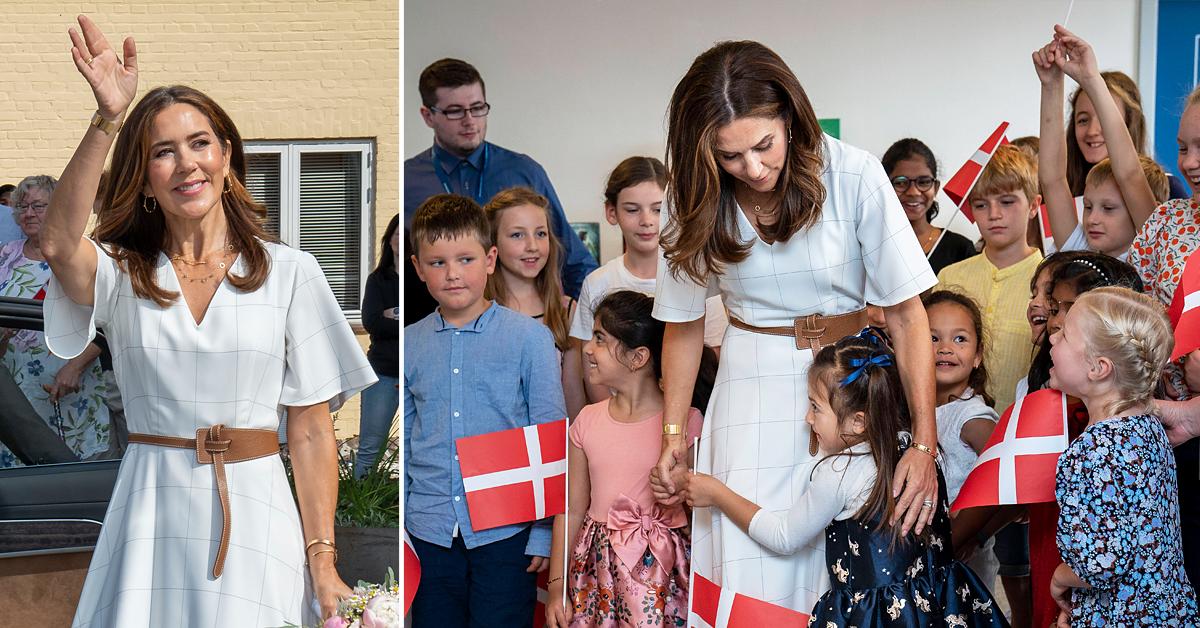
(755, 438)
(285, 344)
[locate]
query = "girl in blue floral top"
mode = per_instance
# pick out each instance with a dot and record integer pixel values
(1118, 529)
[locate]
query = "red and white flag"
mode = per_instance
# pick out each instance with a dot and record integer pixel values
(714, 607)
(411, 573)
(959, 185)
(514, 476)
(1019, 462)
(1185, 309)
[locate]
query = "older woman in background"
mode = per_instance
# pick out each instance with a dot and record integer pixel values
(68, 394)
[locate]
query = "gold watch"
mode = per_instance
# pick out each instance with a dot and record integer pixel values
(671, 429)
(104, 124)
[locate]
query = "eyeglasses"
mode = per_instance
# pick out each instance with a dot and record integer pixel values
(923, 184)
(38, 208)
(457, 113)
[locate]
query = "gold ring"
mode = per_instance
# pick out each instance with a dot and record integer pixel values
(89, 61)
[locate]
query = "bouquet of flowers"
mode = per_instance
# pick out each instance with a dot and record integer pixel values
(371, 606)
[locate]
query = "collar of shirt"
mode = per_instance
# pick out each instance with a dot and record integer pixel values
(476, 326)
(449, 163)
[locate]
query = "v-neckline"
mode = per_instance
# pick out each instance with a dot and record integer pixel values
(745, 221)
(197, 324)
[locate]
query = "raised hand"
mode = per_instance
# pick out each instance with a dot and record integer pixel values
(1076, 58)
(1043, 62)
(113, 80)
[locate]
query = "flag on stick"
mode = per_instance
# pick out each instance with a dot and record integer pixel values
(959, 185)
(714, 607)
(1185, 309)
(1018, 464)
(514, 476)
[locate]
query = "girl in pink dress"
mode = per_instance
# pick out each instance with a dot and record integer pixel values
(628, 563)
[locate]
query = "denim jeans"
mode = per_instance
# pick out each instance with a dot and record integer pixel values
(379, 404)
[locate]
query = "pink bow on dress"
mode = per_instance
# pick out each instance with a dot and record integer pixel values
(632, 530)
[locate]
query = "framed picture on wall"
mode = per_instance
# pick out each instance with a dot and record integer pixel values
(589, 233)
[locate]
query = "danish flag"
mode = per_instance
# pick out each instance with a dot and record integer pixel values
(714, 607)
(959, 185)
(1185, 309)
(411, 573)
(516, 475)
(1019, 462)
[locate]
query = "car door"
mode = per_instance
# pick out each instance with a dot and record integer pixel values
(52, 502)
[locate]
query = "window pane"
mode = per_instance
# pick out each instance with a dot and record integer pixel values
(331, 218)
(262, 181)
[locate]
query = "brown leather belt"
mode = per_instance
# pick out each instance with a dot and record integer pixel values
(813, 331)
(218, 445)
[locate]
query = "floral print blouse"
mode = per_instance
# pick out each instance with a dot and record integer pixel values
(1118, 528)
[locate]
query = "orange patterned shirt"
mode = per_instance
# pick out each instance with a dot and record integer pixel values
(1162, 246)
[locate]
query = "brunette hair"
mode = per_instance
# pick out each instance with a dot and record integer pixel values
(1125, 91)
(548, 283)
(633, 171)
(1130, 329)
(908, 148)
(1082, 271)
(448, 216)
(1030, 144)
(446, 73)
(1155, 176)
(978, 378)
(387, 257)
(626, 316)
(7, 188)
(1010, 169)
(134, 224)
(878, 393)
(730, 81)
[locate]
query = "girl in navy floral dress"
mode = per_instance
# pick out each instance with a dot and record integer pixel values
(877, 577)
(1118, 528)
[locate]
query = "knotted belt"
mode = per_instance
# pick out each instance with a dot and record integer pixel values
(218, 445)
(813, 331)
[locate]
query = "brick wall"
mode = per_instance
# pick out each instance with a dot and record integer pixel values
(313, 69)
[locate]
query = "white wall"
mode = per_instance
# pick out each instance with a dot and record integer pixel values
(581, 84)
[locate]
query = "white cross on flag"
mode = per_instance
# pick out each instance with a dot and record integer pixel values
(959, 185)
(1185, 309)
(411, 572)
(516, 475)
(714, 607)
(1019, 462)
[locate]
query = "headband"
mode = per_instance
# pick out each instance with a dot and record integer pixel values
(1094, 267)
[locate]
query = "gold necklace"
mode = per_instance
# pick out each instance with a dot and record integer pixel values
(213, 270)
(929, 239)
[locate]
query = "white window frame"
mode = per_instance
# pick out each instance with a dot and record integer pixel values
(289, 152)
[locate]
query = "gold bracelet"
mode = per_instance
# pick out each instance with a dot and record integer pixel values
(106, 126)
(925, 449)
(325, 551)
(671, 429)
(320, 542)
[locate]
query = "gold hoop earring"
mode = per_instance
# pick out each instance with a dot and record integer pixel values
(228, 187)
(146, 204)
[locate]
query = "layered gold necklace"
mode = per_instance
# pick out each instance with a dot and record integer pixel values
(188, 269)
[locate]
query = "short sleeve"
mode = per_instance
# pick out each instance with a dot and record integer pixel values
(580, 427)
(70, 326)
(695, 422)
(323, 361)
(581, 322)
(1077, 241)
(899, 269)
(677, 297)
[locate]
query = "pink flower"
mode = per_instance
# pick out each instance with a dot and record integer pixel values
(337, 621)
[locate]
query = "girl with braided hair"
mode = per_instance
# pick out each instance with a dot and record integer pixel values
(1118, 530)
(880, 576)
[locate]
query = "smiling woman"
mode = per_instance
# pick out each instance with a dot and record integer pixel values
(216, 332)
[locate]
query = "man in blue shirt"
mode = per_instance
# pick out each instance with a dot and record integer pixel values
(460, 161)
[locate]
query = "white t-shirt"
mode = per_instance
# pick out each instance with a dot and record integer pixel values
(615, 276)
(957, 456)
(1077, 241)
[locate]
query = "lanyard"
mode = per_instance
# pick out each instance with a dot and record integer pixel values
(441, 175)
